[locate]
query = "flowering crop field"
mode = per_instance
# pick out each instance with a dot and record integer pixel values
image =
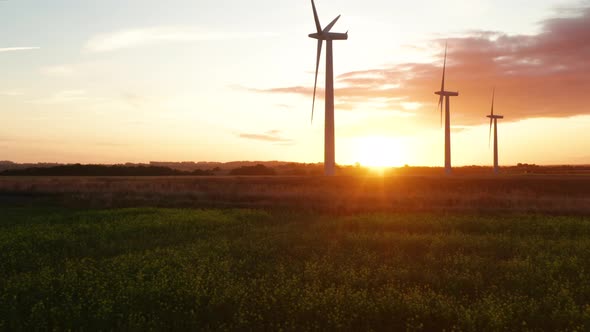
(247, 269)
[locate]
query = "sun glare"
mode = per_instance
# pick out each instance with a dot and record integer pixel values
(379, 152)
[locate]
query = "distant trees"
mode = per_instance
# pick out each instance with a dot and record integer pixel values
(102, 170)
(261, 169)
(253, 170)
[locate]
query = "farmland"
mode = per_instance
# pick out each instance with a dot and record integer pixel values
(295, 253)
(555, 194)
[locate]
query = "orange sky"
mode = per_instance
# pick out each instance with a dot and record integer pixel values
(152, 82)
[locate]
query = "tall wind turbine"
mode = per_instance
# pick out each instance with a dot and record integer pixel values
(494, 119)
(329, 139)
(446, 95)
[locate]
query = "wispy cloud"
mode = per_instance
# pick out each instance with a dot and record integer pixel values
(273, 136)
(66, 96)
(110, 144)
(12, 93)
(59, 70)
(14, 49)
(147, 36)
(134, 100)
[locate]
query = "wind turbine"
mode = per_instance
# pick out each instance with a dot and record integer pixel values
(494, 119)
(446, 95)
(329, 139)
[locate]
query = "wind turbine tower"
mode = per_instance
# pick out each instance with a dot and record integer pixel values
(329, 138)
(446, 95)
(494, 119)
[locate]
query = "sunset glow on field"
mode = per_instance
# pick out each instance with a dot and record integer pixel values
(375, 151)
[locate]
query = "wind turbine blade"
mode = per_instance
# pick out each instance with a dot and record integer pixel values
(493, 97)
(317, 67)
(440, 104)
(329, 27)
(491, 118)
(490, 136)
(316, 18)
(442, 86)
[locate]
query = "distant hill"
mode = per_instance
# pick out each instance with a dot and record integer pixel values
(220, 166)
(243, 168)
(186, 166)
(6, 165)
(101, 170)
(253, 170)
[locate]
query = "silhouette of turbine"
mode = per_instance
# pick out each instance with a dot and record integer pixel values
(329, 139)
(446, 95)
(494, 119)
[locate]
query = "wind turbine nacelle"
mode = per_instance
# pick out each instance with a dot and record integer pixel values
(338, 36)
(315, 35)
(495, 116)
(329, 36)
(447, 93)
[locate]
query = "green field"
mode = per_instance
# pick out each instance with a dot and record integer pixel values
(240, 269)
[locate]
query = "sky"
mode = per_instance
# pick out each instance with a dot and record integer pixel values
(116, 81)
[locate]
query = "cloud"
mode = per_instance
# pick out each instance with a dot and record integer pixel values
(269, 136)
(59, 70)
(27, 140)
(541, 75)
(110, 144)
(66, 96)
(14, 49)
(134, 100)
(12, 93)
(147, 36)
(293, 90)
(459, 129)
(284, 106)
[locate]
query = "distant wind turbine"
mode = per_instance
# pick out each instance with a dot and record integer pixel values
(329, 139)
(494, 119)
(446, 95)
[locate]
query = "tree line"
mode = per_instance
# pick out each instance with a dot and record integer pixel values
(122, 170)
(103, 170)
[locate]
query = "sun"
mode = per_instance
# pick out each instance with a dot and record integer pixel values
(380, 151)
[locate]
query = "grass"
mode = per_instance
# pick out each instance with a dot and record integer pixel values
(233, 269)
(555, 194)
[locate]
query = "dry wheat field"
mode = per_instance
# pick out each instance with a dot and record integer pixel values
(569, 194)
